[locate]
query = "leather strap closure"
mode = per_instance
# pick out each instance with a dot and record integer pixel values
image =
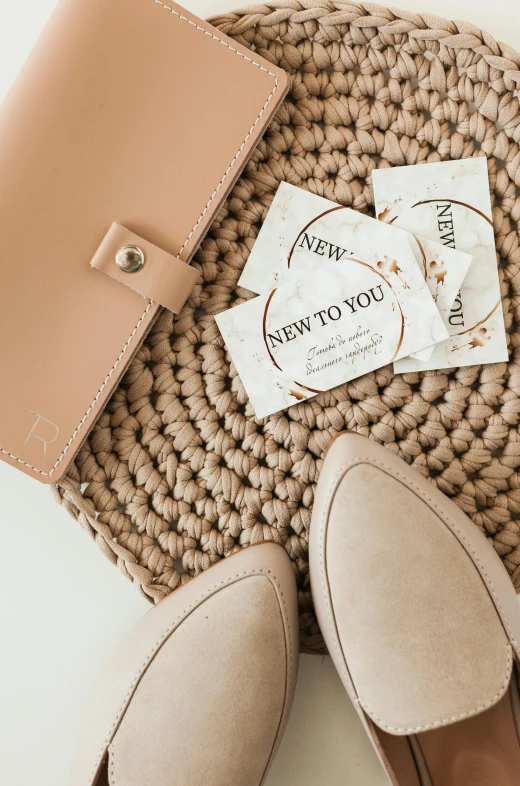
(147, 269)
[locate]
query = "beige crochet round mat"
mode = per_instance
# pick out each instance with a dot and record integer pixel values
(178, 473)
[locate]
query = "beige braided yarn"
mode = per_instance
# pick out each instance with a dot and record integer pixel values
(178, 473)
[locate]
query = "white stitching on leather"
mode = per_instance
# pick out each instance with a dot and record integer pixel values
(442, 515)
(214, 194)
(112, 760)
(249, 60)
(326, 594)
(167, 633)
(89, 410)
(288, 687)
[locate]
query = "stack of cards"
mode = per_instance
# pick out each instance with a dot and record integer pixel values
(342, 294)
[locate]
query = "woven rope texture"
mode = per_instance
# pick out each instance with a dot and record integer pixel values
(178, 473)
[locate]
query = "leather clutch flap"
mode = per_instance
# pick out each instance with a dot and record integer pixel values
(119, 141)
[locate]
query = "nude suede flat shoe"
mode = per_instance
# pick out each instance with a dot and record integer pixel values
(199, 692)
(420, 618)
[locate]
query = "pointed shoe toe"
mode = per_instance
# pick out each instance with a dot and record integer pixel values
(420, 618)
(199, 692)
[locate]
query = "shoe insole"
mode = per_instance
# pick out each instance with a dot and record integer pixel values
(481, 751)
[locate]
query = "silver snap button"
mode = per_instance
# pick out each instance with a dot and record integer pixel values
(130, 259)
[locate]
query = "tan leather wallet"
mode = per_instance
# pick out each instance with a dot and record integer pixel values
(119, 141)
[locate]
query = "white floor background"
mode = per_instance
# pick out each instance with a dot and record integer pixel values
(63, 606)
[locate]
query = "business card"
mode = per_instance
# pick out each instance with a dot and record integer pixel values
(302, 232)
(444, 270)
(449, 202)
(331, 324)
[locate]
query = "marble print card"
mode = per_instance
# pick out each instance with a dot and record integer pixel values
(303, 232)
(449, 202)
(444, 270)
(332, 324)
